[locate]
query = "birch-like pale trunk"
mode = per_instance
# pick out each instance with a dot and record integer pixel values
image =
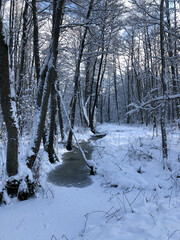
(163, 83)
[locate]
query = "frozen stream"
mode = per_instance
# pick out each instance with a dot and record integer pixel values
(73, 172)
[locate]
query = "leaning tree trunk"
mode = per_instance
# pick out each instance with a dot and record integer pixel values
(49, 145)
(40, 116)
(8, 108)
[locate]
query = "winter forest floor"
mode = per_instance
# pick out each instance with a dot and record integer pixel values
(131, 196)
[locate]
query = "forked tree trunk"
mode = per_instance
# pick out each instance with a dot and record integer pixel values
(49, 68)
(100, 77)
(76, 79)
(49, 145)
(92, 112)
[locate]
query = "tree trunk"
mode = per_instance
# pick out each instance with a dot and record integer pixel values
(163, 64)
(11, 33)
(36, 39)
(40, 115)
(91, 116)
(100, 77)
(91, 94)
(23, 45)
(8, 106)
(50, 144)
(115, 88)
(109, 102)
(76, 79)
(61, 124)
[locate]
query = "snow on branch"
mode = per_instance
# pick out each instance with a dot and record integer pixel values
(71, 25)
(144, 104)
(90, 163)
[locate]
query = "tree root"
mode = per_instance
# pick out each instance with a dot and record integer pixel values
(22, 189)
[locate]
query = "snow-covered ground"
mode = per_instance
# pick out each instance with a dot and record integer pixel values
(131, 197)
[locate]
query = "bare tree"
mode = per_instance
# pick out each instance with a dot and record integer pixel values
(76, 77)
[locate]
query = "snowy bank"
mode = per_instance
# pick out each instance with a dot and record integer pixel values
(131, 197)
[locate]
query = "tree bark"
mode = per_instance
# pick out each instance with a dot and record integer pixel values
(23, 45)
(11, 34)
(36, 39)
(40, 115)
(100, 78)
(115, 88)
(91, 116)
(8, 108)
(164, 88)
(60, 117)
(50, 143)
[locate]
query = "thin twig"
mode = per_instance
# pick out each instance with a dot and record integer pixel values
(53, 237)
(64, 236)
(173, 234)
(136, 197)
(128, 202)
